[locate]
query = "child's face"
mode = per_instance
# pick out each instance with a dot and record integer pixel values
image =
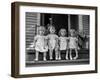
(52, 30)
(63, 32)
(72, 34)
(41, 32)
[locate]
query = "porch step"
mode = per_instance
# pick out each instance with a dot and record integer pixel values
(57, 62)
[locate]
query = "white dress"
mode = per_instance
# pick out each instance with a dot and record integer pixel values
(73, 42)
(63, 43)
(52, 40)
(40, 44)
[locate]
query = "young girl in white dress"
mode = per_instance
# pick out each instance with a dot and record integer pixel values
(40, 42)
(63, 43)
(73, 44)
(52, 42)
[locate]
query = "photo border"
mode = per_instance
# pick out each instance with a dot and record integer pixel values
(15, 69)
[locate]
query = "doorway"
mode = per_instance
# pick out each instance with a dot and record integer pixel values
(60, 21)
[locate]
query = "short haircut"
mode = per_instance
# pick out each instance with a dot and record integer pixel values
(62, 29)
(51, 27)
(40, 28)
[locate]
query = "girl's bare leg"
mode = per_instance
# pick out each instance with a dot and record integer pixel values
(36, 55)
(67, 54)
(44, 56)
(57, 54)
(71, 54)
(76, 51)
(50, 53)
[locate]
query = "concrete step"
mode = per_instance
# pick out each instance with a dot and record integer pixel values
(57, 62)
(83, 54)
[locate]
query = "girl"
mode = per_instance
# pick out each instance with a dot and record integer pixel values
(40, 42)
(73, 44)
(63, 43)
(52, 42)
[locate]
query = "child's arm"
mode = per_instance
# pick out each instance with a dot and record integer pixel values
(57, 41)
(77, 42)
(45, 42)
(47, 37)
(35, 39)
(67, 40)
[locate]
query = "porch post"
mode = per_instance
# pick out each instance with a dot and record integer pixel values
(69, 23)
(80, 19)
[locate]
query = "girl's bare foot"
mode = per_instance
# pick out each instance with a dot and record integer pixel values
(66, 58)
(59, 58)
(75, 57)
(36, 59)
(51, 58)
(71, 58)
(44, 59)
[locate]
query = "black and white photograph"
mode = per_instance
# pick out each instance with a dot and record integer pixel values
(56, 39)
(51, 39)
